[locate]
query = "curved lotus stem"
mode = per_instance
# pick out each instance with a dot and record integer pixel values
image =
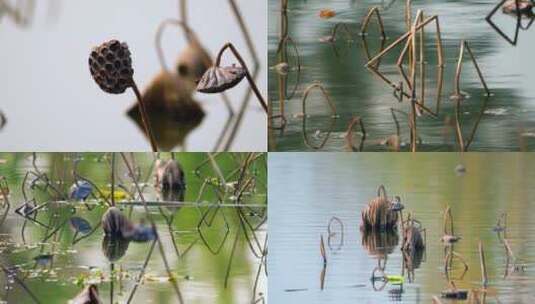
(188, 32)
(367, 19)
(284, 42)
(333, 110)
(247, 73)
(349, 134)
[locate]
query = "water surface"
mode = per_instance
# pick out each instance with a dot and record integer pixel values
(506, 124)
(200, 268)
(307, 190)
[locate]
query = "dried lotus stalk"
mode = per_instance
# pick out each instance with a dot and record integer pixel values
(218, 79)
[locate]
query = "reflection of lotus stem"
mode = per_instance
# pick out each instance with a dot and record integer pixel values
(190, 37)
(247, 74)
(144, 117)
(448, 260)
(484, 279)
(333, 112)
(142, 273)
(500, 32)
(460, 139)
(322, 250)
(113, 179)
(153, 225)
(282, 47)
(349, 134)
(337, 26)
(15, 278)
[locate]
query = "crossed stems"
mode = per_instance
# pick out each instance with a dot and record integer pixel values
(247, 74)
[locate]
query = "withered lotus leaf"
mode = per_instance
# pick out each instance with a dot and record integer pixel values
(219, 79)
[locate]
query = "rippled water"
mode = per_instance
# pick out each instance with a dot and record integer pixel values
(506, 124)
(45, 78)
(200, 274)
(307, 190)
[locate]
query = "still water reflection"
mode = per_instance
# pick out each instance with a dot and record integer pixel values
(214, 245)
(506, 119)
(308, 190)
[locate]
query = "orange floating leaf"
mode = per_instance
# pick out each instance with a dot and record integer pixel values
(327, 13)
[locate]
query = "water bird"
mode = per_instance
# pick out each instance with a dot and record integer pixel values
(80, 190)
(88, 295)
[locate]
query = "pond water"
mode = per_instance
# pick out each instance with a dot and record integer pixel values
(45, 79)
(307, 190)
(506, 119)
(212, 261)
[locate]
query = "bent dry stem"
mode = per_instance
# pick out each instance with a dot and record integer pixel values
(153, 225)
(247, 73)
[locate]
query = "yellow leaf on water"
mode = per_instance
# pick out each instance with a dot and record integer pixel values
(157, 279)
(118, 194)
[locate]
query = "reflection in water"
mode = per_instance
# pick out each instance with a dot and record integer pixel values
(520, 9)
(410, 264)
(355, 89)
(54, 243)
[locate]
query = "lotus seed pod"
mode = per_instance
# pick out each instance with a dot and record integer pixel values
(219, 79)
(111, 66)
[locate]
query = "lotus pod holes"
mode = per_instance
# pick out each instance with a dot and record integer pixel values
(111, 66)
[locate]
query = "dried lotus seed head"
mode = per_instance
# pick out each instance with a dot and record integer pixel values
(111, 66)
